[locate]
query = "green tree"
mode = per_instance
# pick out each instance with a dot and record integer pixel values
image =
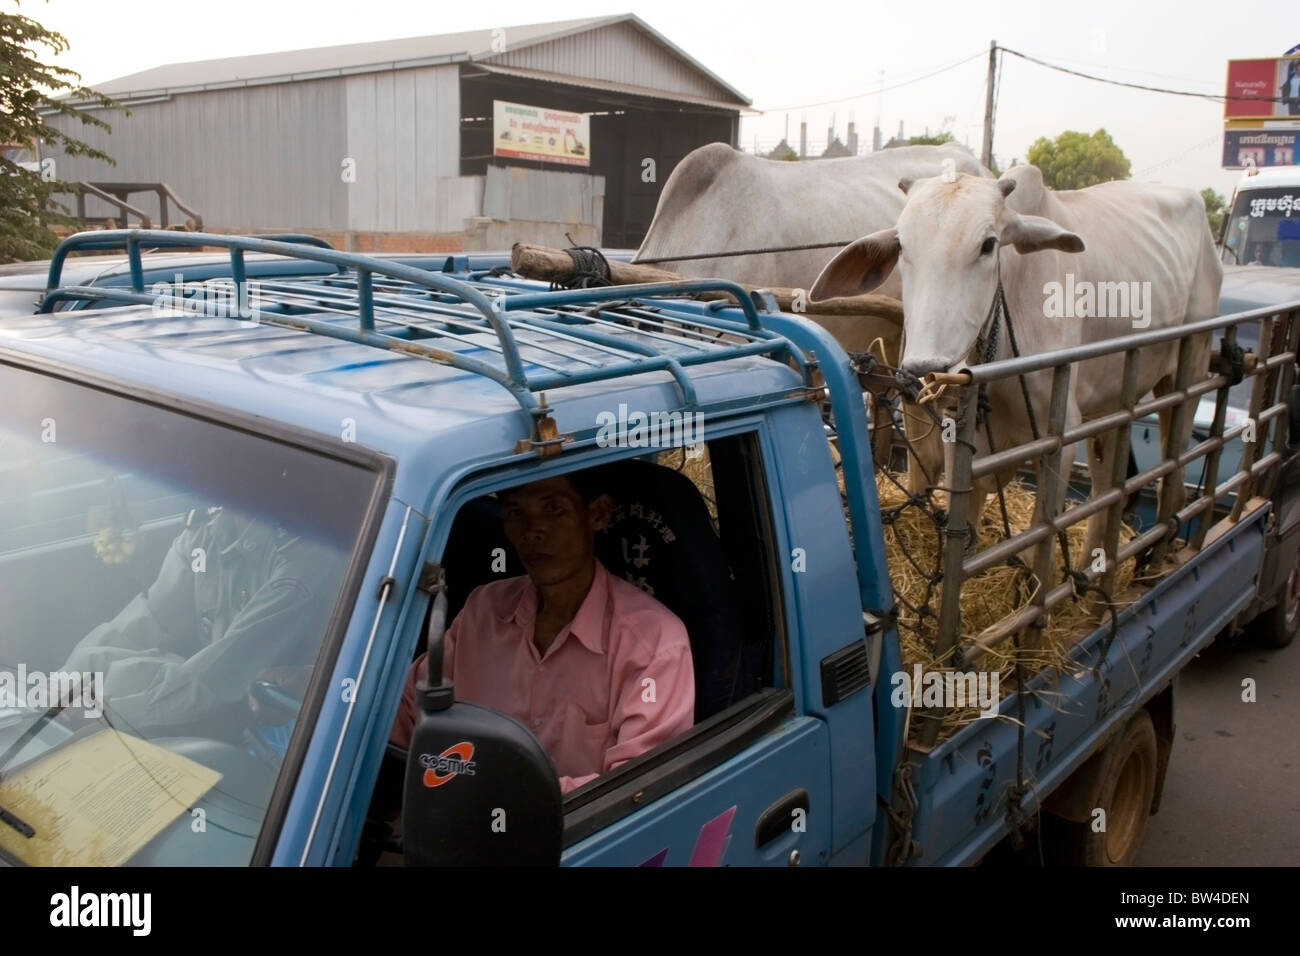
(1215, 205)
(1074, 160)
(28, 89)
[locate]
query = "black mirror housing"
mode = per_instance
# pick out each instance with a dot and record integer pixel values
(480, 790)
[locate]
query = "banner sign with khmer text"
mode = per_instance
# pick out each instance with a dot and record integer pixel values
(533, 132)
(1243, 148)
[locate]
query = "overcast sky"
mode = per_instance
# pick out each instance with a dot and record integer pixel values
(801, 52)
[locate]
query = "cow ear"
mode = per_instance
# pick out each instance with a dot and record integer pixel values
(905, 184)
(859, 267)
(1034, 234)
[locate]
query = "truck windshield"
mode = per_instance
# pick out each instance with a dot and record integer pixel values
(1264, 227)
(166, 586)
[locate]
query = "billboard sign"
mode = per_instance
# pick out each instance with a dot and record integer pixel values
(1243, 148)
(1263, 89)
(534, 132)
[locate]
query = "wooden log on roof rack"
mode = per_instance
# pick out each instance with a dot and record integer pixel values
(556, 265)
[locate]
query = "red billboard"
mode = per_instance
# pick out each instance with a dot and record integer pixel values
(1262, 89)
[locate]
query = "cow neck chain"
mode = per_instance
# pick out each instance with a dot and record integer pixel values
(993, 323)
(998, 310)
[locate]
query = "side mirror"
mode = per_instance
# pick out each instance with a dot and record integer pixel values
(480, 790)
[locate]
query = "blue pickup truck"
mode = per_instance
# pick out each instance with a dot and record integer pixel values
(342, 424)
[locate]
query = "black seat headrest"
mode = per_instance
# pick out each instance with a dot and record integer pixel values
(662, 539)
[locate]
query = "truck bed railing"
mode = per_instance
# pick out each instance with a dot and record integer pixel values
(1273, 371)
(535, 340)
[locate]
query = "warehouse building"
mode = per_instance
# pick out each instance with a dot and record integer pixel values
(458, 142)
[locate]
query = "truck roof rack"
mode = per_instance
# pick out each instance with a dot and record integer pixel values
(573, 336)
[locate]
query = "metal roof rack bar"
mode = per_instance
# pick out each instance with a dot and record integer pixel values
(238, 245)
(714, 322)
(410, 315)
(425, 304)
(540, 300)
(303, 324)
(703, 314)
(647, 318)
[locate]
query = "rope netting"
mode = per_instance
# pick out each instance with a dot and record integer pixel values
(915, 526)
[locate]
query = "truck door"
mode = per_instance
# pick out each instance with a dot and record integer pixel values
(750, 784)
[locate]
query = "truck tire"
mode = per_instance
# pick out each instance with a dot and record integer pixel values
(1277, 626)
(1126, 786)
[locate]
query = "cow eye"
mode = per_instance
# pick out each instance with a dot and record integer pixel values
(990, 244)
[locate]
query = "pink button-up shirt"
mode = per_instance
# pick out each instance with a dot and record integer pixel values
(616, 682)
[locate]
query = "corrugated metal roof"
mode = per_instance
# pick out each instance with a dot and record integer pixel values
(334, 60)
(403, 53)
(623, 89)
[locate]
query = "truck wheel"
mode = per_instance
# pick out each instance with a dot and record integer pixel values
(1277, 626)
(1125, 789)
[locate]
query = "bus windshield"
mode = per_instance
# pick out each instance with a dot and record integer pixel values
(1264, 227)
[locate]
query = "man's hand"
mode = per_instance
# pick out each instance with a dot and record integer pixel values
(286, 683)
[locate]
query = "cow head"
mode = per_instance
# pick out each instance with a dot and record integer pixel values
(946, 247)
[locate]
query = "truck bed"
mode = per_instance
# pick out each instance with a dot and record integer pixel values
(1068, 717)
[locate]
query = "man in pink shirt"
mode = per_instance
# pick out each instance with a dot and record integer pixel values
(597, 669)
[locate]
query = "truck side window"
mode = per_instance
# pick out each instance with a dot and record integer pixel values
(684, 530)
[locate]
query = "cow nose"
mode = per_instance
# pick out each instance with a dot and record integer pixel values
(920, 367)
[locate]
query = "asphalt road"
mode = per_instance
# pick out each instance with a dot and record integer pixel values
(1232, 793)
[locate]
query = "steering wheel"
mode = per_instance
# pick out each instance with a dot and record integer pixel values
(272, 697)
(267, 737)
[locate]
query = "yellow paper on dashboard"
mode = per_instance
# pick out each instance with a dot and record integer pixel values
(99, 800)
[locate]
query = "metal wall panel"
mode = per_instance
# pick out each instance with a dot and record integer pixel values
(272, 157)
(459, 198)
(438, 156)
(403, 129)
(543, 196)
(265, 157)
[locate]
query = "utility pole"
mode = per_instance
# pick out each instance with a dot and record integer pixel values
(986, 153)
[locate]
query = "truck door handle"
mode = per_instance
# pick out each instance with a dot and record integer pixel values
(780, 817)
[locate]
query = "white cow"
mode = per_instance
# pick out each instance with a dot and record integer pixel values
(955, 235)
(719, 199)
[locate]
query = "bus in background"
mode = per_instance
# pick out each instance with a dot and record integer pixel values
(24, 155)
(1262, 226)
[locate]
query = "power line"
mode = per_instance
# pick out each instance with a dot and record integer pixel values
(1139, 86)
(1131, 69)
(878, 90)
